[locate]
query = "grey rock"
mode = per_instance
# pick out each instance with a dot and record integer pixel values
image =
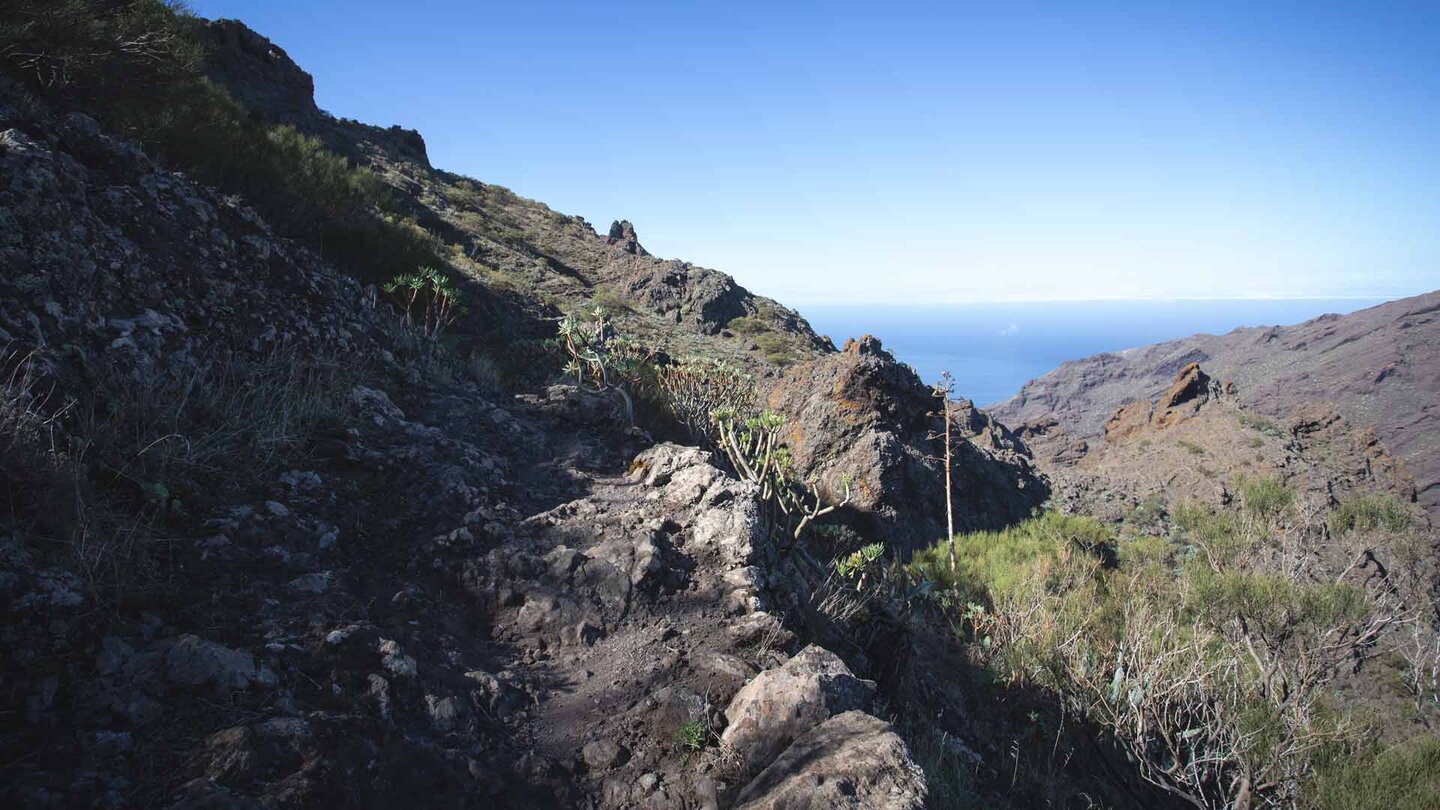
(193, 661)
(395, 660)
(447, 713)
(779, 705)
(316, 583)
(376, 404)
(602, 755)
(851, 760)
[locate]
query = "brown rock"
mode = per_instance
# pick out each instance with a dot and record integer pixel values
(1127, 421)
(1188, 392)
(1375, 365)
(622, 235)
(1191, 389)
(861, 414)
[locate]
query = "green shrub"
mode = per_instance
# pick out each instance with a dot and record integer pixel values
(747, 325)
(601, 359)
(1265, 498)
(427, 299)
(695, 389)
(465, 194)
(135, 65)
(1256, 421)
(988, 563)
(1192, 448)
(87, 51)
(777, 348)
(306, 191)
(612, 301)
(692, 736)
(753, 445)
(1369, 513)
(1144, 644)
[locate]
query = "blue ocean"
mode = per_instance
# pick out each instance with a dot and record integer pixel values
(993, 349)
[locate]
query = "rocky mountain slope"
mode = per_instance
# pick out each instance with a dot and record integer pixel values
(1379, 367)
(457, 595)
(1199, 442)
(551, 262)
(267, 544)
(510, 244)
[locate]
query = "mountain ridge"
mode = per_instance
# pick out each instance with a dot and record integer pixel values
(1375, 365)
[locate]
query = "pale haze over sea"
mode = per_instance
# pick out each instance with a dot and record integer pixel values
(993, 349)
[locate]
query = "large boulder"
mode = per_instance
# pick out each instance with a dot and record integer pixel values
(861, 414)
(781, 704)
(851, 760)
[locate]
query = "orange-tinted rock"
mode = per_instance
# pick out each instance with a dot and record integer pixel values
(1128, 420)
(1191, 389)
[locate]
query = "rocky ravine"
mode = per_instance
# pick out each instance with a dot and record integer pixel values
(1379, 367)
(424, 589)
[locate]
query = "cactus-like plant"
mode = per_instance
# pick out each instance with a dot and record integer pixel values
(600, 358)
(756, 452)
(428, 299)
(696, 388)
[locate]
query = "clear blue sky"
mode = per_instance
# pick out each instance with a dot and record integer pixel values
(931, 152)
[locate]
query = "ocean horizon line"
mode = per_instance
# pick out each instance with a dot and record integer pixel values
(932, 304)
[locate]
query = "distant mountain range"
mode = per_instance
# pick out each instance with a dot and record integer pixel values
(1378, 367)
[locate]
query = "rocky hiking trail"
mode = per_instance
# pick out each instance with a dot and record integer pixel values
(527, 618)
(437, 592)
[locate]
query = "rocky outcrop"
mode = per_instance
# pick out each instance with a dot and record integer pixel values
(1188, 392)
(1372, 365)
(851, 760)
(686, 295)
(1045, 432)
(260, 74)
(1191, 389)
(862, 415)
(558, 258)
(263, 77)
(782, 704)
(622, 237)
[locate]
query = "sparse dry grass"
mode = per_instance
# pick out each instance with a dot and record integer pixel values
(97, 482)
